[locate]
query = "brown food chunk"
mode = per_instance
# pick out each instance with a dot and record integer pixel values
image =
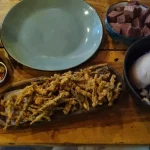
(134, 32)
(136, 23)
(112, 24)
(121, 19)
(125, 28)
(117, 27)
(145, 31)
(130, 11)
(144, 15)
(131, 3)
(119, 9)
(112, 16)
(124, 19)
(128, 19)
(147, 21)
(138, 10)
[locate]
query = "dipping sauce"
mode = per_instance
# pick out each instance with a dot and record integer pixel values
(2, 72)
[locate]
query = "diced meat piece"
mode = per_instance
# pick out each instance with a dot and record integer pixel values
(138, 10)
(112, 16)
(145, 31)
(136, 23)
(119, 9)
(144, 15)
(147, 21)
(124, 19)
(131, 3)
(134, 33)
(138, 32)
(128, 32)
(130, 11)
(121, 19)
(112, 24)
(117, 27)
(125, 28)
(128, 19)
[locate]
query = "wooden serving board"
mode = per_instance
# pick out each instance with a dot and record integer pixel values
(82, 112)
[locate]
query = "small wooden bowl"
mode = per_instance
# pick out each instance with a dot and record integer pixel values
(5, 75)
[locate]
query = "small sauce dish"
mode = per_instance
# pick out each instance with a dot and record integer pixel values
(3, 72)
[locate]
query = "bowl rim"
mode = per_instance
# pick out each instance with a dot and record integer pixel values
(125, 73)
(6, 71)
(106, 19)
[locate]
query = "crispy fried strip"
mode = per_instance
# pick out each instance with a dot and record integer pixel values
(86, 104)
(25, 93)
(74, 93)
(34, 106)
(39, 90)
(9, 111)
(38, 118)
(112, 81)
(52, 102)
(42, 115)
(40, 100)
(32, 109)
(83, 92)
(117, 92)
(47, 118)
(3, 114)
(53, 86)
(71, 102)
(23, 110)
(67, 108)
(96, 66)
(94, 94)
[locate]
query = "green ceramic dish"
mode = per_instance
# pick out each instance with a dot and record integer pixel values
(51, 34)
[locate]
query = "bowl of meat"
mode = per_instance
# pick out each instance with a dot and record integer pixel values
(127, 22)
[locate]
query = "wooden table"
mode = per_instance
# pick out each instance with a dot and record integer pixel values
(124, 123)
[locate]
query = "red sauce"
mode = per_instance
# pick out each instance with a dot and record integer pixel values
(2, 72)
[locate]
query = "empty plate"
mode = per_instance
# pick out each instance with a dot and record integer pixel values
(51, 34)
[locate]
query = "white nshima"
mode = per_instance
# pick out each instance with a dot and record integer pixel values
(140, 72)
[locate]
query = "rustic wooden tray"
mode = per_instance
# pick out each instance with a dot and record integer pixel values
(59, 116)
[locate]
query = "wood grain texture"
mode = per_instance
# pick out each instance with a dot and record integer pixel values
(124, 123)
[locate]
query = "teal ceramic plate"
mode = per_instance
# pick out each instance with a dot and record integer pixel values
(51, 34)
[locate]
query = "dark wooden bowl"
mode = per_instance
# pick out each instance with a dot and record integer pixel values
(136, 50)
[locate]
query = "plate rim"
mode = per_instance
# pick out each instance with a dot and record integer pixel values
(50, 68)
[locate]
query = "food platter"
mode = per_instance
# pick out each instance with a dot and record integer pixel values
(30, 97)
(51, 35)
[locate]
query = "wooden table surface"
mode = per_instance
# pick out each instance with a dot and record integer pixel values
(124, 123)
